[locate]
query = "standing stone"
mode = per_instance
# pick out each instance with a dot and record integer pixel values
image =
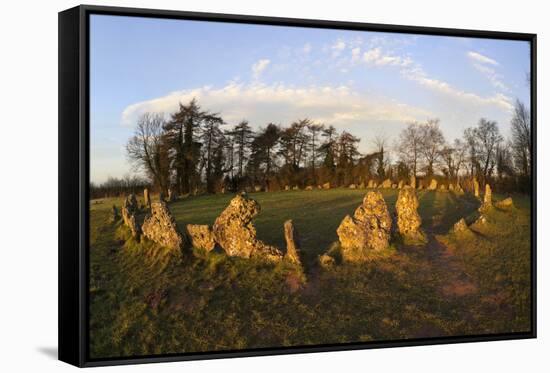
(160, 227)
(433, 185)
(369, 185)
(505, 203)
(460, 226)
(487, 199)
(442, 188)
(400, 185)
(129, 210)
(451, 187)
(413, 181)
(292, 243)
(171, 195)
(408, 219)
(368, 229)
(146, 198)
(394, 186)
(352, 186)
(257, 188)
(386, 184)
(295, 187)
(326, 186)
(362, 185)
(476, 188)
(235, 233)
(114, 215)
(309, 187)
(201, 236)
(287, 187)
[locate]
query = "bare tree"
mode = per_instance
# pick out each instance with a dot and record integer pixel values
(521, 138)
(409, 146)
(147, 149)
(489, 138)
(432, 141)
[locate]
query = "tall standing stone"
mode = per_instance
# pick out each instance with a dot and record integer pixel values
(235, 233)
(408, 219)
(413, 181)
(201, 237)
(292, 243)
(487, 199)
(476, 188)
(433, 185)
(129, 210)
(147, 198)
(386, 184)
(160, 226)
(368, 229)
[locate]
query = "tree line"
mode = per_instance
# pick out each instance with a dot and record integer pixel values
(191, 151)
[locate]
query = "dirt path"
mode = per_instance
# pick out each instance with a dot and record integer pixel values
(457, 282)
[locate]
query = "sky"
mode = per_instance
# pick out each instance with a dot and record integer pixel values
(370, 84)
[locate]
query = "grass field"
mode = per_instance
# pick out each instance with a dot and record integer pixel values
(145, 303)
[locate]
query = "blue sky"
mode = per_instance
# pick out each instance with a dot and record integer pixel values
(371, 84)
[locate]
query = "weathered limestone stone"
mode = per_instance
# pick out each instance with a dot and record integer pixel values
(114, 215)
(374, 184)
(146, 198)
(505, 203)
(326, 261)
(413, 181)
(386, 184)
(171, 195)
(443, 188)
(370, 184)
(222, 190)
(295, 187)
(420, 187)
(201, 236)
(368, 229)
(319, 187)
(400, 185)
(235, 233)
(487, 199)
(257, 188)
(326, 186)
(292, 243)
(476, 188)
(309, 187)
(353, 186)
(160, 226)
(394, 186)
(408, 219)
(129, 210)
(287, 187)
(451, 187)
(460, 226)
(362, 185)
(433, 185)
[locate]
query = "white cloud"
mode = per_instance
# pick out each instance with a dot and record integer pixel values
(376, 57)
(307, 48)
(338, 47)
(261, 104)
(481, 58)
(259, 67)
(418, 75)
(492, 75)
(355, 54)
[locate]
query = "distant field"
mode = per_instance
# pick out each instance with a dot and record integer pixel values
(143, 304)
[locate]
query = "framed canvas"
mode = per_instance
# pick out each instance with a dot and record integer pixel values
(235, 186)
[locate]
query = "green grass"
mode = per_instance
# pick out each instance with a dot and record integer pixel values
(145, 303)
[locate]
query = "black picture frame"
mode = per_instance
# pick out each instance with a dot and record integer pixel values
(74, 181)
